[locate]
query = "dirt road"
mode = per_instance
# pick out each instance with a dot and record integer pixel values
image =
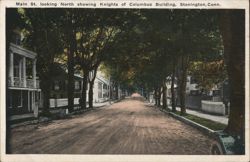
(128, 127)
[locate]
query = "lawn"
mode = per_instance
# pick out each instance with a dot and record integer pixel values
(205, 122)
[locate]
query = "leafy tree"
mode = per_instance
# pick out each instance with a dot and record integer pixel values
(13, 21)
(43, 37)
(68, 18)
(191, 39)
(208, 74)
(164, 37)
(121, 49)
(96, 31)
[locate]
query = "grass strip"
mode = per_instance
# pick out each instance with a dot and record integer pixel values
(205, 122)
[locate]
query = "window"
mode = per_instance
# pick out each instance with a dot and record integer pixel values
(16, 71)
(216, 92)
(99, 90)
(62, 85)
(16, 66)
(37, 96)
(105, 90)
(105, 94)
(56, 85)
(77, 85)
(105, 86)
(99, 85)
(193, 80)
(80, 85)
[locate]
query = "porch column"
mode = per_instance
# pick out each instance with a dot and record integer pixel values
(29, 107)
(35, 104)
(34, 73)
(108, 92)
(11, 68)
(24, 72)
(20, 75)
(102, 89)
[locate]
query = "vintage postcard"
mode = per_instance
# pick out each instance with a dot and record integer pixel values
(125, 80)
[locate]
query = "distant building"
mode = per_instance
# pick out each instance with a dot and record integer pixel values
(192, 86)
(101, 88)
(168, 85)
(59, 87)
(23, 92)
(59, 84)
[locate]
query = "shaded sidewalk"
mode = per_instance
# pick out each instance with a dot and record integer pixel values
(30, 116)
(216, 118)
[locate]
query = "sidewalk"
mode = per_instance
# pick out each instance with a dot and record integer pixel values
(216, 118)
(21, 116)
(64, 102)
(30, 116)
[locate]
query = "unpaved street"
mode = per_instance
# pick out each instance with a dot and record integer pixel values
(131, 126)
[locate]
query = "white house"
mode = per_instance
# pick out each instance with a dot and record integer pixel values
(23, 93)
(101, 88)
(191, 85)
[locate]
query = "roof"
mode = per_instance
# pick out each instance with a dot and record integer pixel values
(59, 71)
(22, 51)
(102, 79)
(78, 76)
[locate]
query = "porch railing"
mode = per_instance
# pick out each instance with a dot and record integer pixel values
(19, 82)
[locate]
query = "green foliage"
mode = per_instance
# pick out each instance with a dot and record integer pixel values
(159, 37)
(137, 46)
(205, 122)
(43, 37)
(208, 74)
(13, 22)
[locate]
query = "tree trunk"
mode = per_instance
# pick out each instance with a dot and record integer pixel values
(110, 91)
(84, 90)
(91, 85)
(71, 84)
(233, 33)
(173, 100)
(155, 96)
(183, 83)
(70, 63)
(46, 102)
(116, 92)
(159, 97)
(164, 95)
(45, 83)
